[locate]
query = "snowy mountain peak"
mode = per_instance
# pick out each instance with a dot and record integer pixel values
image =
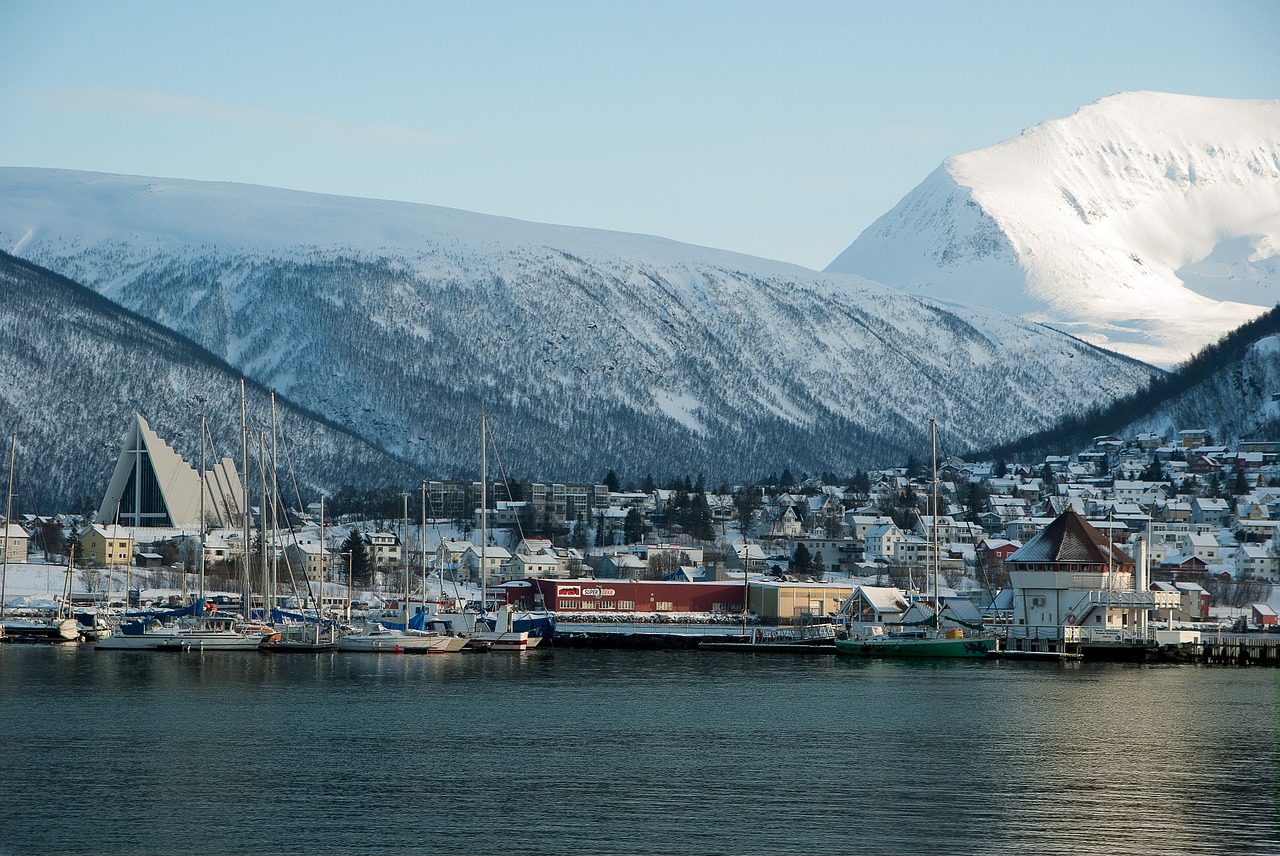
(1148, 223)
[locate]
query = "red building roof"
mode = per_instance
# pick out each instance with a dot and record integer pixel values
(1071, 539)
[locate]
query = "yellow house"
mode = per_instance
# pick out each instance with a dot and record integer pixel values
(106, 545)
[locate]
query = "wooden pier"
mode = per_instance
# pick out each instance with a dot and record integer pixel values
(1243, 650)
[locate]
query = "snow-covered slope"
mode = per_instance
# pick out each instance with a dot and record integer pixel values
(74, 368)
(1147, 223)
(591, 349)
(1235, 399)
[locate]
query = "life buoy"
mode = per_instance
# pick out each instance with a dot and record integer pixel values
(1071, 618)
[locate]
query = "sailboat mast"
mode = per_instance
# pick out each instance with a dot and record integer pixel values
(323, 561)
(8, 513)
(423, 543)
(262, 527)
(937, 605)
(404, 559)
(484, 509)
(275, 496)
(200, 566)
(245, 596)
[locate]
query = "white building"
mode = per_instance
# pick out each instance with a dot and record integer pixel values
(15, 543)
(153, 486)
(1072, 585)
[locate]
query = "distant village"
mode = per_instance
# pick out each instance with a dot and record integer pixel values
(1208, 515)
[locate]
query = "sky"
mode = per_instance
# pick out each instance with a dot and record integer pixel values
(776, 129)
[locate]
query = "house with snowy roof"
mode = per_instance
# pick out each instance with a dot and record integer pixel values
(872, 606)
(105, 545)
(621, 565)
(1193, 600)
(1210, 511)
(1203, 545)
(524, 566)
(493, 560)
(881, 542)
(1254, 562)
(16, 542)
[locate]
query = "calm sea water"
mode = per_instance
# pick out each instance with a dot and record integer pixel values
(606, 752)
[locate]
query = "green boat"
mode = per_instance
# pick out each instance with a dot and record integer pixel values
(935, 642)
(915, 645)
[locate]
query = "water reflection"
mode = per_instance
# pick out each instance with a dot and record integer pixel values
(628, 752)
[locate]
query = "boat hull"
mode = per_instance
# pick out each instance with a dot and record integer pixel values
(398, 642)
(962, 648)
(181, 640)
(41, 630)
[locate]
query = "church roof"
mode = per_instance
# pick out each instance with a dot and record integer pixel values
(1070, 538)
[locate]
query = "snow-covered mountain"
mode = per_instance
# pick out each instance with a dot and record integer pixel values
(75, 367)
(1232, 391)
(1147, 223)
(590, 349)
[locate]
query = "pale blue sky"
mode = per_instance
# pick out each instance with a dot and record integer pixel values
(776, 129)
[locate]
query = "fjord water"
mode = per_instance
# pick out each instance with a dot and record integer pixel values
(613, 752)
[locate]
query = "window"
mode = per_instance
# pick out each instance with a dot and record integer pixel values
(665, 606)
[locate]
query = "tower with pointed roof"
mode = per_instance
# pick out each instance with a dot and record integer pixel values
(1073, 586)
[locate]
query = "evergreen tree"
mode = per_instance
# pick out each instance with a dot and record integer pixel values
(611, 481)
(633, 527)
(1049, 481)
(578, 539)
(700, 518)
(747, 501)
(1239, 484)
(358, 557)
(801, 561)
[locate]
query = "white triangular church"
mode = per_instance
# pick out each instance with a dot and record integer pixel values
(154, 487)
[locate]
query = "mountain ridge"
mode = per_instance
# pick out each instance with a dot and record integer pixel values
(591, 350)
(1069, 223)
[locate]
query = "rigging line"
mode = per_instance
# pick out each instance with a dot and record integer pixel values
(435, 522)
(288, 565)
(505, 482)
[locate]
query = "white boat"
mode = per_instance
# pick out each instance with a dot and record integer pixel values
(37, 629)
(155, 634)
(376, 638)
(502, 636)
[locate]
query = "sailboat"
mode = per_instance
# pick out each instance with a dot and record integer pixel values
(923, 641)
(402, 638)
(498, 634)
(57, 628)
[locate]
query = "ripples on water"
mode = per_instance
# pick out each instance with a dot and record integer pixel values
(606, 752)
